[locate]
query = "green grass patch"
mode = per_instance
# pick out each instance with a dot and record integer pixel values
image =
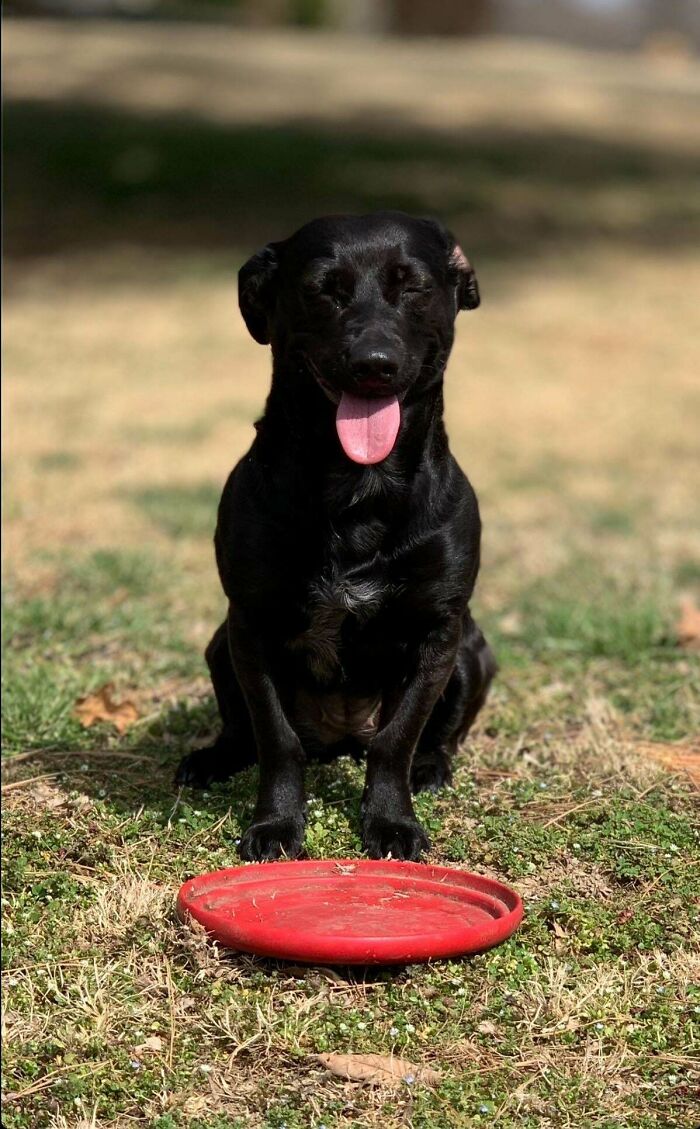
(107, 617)
(181, 511)
(60, 461)
(96, 964)
(589, 615)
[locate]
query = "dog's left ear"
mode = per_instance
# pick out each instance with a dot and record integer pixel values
(460, 270)
(257, 292)
(468, 297)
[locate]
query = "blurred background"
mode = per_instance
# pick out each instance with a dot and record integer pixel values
(152, 145)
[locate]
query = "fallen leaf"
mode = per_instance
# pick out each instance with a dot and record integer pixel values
(378, 1070)
(101, 706)
(677, 758)
(153, 1043)
(688, 626)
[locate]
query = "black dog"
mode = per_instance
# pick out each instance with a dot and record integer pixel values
(348, 537)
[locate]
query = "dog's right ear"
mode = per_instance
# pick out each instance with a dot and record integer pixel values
(257, 292)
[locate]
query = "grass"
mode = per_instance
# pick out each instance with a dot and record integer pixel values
(128, 409)
(181, 511)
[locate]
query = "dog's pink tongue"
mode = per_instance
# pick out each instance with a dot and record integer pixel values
(367, 429)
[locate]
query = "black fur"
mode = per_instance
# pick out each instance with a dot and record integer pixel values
(348, 626)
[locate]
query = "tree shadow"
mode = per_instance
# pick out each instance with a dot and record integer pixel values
(90, 178)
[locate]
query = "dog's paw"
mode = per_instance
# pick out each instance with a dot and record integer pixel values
(272, 839)
(400, 838)
(201, 768)
(430, 772)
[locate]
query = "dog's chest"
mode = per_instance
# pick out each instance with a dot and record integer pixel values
(334, 597)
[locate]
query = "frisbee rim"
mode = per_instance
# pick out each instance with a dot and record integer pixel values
(503, 905)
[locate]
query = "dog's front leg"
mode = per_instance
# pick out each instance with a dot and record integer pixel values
(389, 824)
(278, 824)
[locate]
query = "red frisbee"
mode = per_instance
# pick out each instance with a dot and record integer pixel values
(353, 911)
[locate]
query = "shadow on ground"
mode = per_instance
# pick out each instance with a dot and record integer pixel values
(140, 769)
(87, 178)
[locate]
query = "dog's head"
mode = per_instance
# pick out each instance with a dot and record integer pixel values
(364, 307)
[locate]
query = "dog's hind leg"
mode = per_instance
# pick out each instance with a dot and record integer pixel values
(454, 712)
(234, 748)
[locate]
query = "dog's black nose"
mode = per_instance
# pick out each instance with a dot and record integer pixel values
(372, 367)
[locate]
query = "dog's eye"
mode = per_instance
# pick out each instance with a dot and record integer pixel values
(332, 299)
(404, 280)
(327, 294)
(416, 292)
(320, 299)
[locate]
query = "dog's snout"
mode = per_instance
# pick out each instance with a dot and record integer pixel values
(374, 365)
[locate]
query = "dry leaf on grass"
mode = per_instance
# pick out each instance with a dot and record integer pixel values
(688, 626)
(152, 1043)
(678, 758)
(101, 706)
(378, 1070)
